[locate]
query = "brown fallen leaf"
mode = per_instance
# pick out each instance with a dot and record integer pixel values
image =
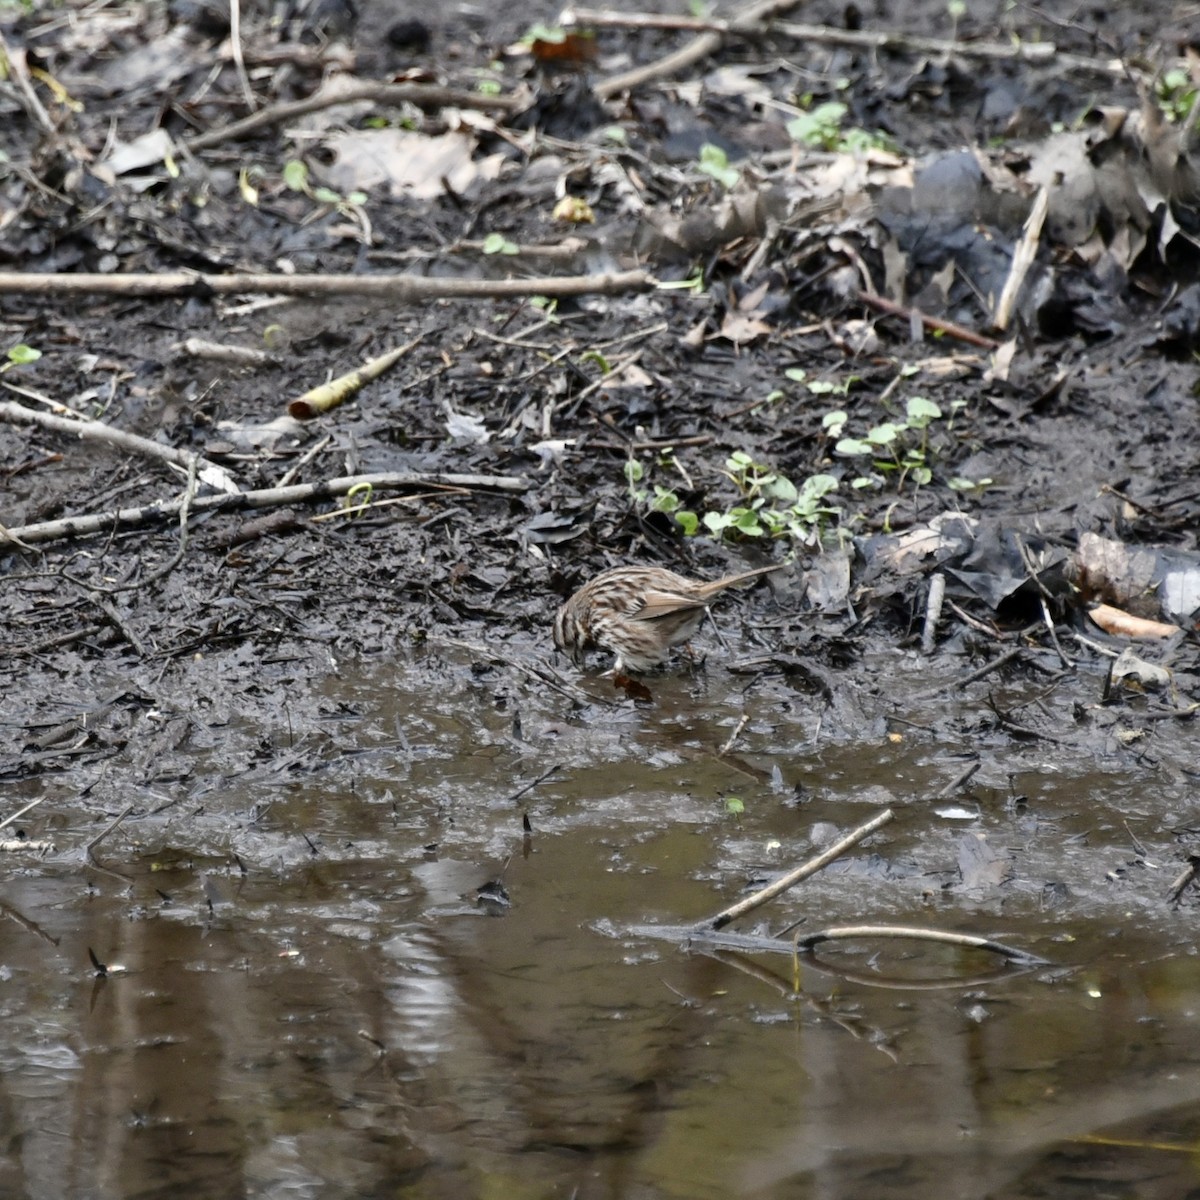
(1123, 624)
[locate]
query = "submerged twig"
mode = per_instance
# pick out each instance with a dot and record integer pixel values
(87, 850)
(945, 936)
(533, 783)
(750, 903)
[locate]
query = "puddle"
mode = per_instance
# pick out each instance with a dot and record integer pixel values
(312, 1002)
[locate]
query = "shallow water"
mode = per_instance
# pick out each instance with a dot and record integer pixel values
(306, 997)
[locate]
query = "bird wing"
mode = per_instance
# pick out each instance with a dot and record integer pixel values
(662, 604)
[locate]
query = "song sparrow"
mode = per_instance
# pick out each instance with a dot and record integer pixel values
(639, 613)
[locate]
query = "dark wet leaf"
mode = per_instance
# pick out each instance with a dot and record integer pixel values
(555, 527)
(635, 689)
(982, 865)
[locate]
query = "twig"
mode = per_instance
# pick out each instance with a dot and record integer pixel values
(709, 940)
(21, 812)
(1035, 577)
(84, 525)
(949, 328)
(949, 937)
(534, 783)
(540, 672)
(933, 612)
(422, 95)
(185, 504)
(236, 356)
(98, 431)
(733, 737)
(750, 903)
(114, 618)
(400, 289)
(312, 452)
(1023, 255)
(987, 668)
(87, 850)
(18, 70)
(699, 48)
(1182, 880)
(855, 39)
(958, 780)
(235, 50)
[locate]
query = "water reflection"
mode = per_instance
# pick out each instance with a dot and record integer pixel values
(338, 1017)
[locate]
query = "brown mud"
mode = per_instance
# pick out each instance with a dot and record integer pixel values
(282, 778)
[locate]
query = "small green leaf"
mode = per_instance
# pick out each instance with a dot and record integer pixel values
(665, 500)
(324, 195)
(853, 446)
(796, 374)
(717, 523)
(921, 412)
(883, 435)
(555, 35)
(688, 522)
(734, 806)
(295, 176)
(633, 471)
(497, 243)
(21, 355)
(715, 163)
(833, 423)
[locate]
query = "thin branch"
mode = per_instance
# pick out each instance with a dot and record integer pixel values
(392, 94)
(18, 71)
(949, 328)
(400, 289)
(21, 812)
(521, 791)
(98, 431)
(299, 493)
(946, 936)
(699, 48)
(854, 39)
(800, 873)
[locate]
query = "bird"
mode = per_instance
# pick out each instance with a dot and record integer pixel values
(639, 613)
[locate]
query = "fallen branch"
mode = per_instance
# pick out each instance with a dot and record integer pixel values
(97, 431)
(420, 94)
(854, 39)
(399, 289)
(750, 903)
(124, 518)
